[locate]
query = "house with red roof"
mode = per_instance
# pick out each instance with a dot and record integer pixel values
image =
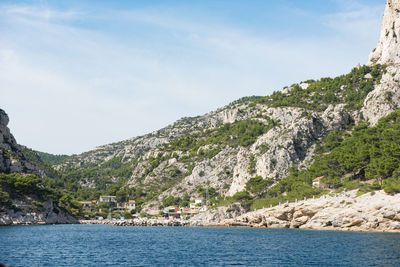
(172, 212)
(317, 182)
(131, 205)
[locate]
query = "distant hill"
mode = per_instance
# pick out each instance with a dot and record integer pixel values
(50, 158)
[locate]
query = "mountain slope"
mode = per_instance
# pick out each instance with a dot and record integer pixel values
(255, 136)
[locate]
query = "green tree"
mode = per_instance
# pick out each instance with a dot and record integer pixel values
(258, 186)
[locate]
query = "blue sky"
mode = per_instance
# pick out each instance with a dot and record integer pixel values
(78, 74)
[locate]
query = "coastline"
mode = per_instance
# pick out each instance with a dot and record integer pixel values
(214, 225)
(23, 214)
(345, 211)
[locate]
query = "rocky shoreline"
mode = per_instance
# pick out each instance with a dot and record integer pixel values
(139, 222)
(371, 212)
(23, 214)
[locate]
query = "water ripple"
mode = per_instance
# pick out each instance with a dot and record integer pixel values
(103, 245)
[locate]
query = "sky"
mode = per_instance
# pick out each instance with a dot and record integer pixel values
(77, 74)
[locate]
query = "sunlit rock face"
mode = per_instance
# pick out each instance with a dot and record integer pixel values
(388, 49)
(385, 98)
(11, 157)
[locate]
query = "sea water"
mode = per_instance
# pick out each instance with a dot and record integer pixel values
(104, 245)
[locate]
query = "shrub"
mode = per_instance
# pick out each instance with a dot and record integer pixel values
(252, 164)
(351, 185)
(171, 201)
(258, 186)
(37, 205)
(263, 148)
(4, 198)
(368, 188)
(243, 195)
(391, 186)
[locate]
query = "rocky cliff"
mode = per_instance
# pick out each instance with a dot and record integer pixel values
(22, 196)
(386, 96)
(387, 50)
(34, 210)
(11, 158)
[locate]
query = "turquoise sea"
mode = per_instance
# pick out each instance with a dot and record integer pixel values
(104, 245)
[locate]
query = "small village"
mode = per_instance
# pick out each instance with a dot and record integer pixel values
(109, 208)
(120, 210)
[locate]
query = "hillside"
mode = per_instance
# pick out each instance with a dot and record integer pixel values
(24, 197)
(223, 150)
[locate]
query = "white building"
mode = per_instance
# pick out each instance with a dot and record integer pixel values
(131, 205)
(86, 205)
(196, 203)
(316, 183)
(107, 199)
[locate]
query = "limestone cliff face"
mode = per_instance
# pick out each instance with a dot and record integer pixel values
(386, 96)
(11, 158)
(388, 49)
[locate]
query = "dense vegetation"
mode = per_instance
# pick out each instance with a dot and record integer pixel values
(101, 173)
(17, 186)
(242, 133)
(350, 89)
(51, 159)
(69, 182)
(34, 157)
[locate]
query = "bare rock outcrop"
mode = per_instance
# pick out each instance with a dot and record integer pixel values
(292, 143)
(220, 214)
(11, 158)
(25, 211)
(374, 211)
(388, 48)
(385, 98)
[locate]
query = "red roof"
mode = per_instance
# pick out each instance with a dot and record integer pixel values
(132, 201)
(318, 178)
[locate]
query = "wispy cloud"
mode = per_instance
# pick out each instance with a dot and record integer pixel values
(356, 19)
(72, 79)
(39, 12)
